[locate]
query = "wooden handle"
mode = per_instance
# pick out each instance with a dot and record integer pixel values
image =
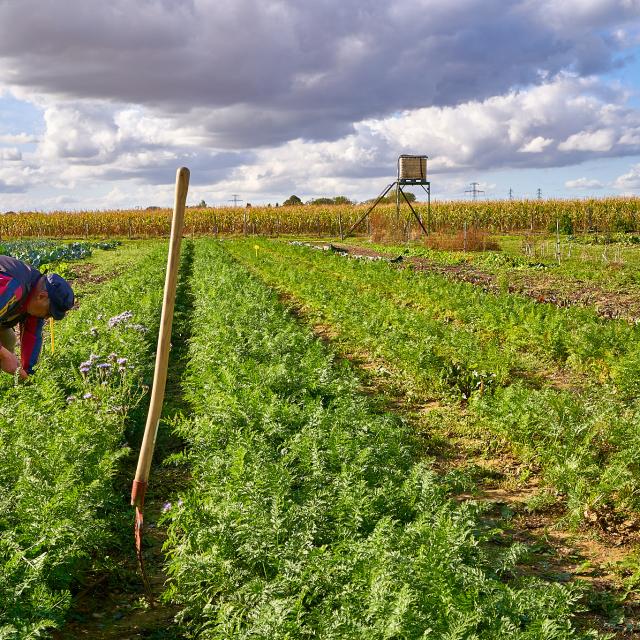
(164, 341)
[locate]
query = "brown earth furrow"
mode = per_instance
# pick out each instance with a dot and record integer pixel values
(610, 304)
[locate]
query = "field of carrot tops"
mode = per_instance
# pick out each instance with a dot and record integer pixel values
(360, 440)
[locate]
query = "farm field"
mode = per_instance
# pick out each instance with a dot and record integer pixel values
(296, 347)
(548, 379)
(358, 448)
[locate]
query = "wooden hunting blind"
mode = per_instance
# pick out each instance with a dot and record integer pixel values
(412, 171)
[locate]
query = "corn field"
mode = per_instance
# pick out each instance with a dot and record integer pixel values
(497, 216)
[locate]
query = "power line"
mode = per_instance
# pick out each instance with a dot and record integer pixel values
(474, 191)
(235, 199)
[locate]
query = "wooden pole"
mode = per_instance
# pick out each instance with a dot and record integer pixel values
(162, 355)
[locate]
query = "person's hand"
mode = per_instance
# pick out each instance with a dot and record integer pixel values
(10, 364)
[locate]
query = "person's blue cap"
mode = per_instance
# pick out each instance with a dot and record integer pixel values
(60, 295)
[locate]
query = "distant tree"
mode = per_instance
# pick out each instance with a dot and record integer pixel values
(391, 197)
(336, 200)
(321, 201)
(202, 204)
(292, 200)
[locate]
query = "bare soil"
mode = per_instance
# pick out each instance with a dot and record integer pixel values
(569, 292)
(115, 606)
(83, 274)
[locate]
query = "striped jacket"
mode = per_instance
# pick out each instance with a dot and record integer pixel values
(17, 283)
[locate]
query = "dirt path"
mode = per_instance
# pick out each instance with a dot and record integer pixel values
(114, 605)
(607, 303)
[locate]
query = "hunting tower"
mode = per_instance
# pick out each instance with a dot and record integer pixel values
(412, 171)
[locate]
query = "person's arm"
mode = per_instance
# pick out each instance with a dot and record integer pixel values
(30, 342)
(9, 363)
(11, 291)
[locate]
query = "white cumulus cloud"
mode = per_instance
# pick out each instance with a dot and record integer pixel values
(535, 145)
(583, 183)
(630, 181)
(10, 154)
(601, 140)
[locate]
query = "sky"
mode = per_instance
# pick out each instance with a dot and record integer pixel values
(101, 102)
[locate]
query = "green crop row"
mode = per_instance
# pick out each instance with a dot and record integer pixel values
(310, 514)
(63, 435)
(449, 340)
(42, 252)
(457, 327)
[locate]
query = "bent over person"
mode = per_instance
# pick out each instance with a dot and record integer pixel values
(27, 298)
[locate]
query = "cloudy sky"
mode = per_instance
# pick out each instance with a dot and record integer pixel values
(100, 102)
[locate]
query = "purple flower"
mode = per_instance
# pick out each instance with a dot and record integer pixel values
(138, 327)
(87, 396)
(85, 367)
(122, 361)
(120, 318)
(165, 507)
(71, 399)
(104, 366)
